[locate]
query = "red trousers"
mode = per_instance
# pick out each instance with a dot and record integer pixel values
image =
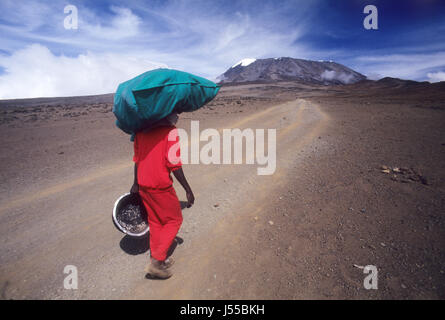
(164, 219)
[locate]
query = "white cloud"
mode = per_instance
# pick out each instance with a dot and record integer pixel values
(202, 37)
(342, 77)
(404, 66)
(211, 39)
(110, 46)
(124, 24)
(36, 72)
(328, 74)
(436, 76)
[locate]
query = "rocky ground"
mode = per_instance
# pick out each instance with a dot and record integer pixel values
(360, 181)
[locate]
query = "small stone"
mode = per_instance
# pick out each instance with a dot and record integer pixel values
(386, 171)
(382, 244)
(424, 180)
(256, 218)
(384, 167)
(216, 205)
(271, 222)
(403, 286)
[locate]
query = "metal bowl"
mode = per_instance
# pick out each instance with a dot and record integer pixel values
(129, 215)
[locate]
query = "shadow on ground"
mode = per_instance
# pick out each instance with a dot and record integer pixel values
(135, 246)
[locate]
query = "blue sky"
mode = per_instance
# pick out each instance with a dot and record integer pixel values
(117, 40)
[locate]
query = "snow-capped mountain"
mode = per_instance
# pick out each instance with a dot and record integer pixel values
(275, 69)
(244, 62)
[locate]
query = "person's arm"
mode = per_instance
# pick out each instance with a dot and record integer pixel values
(179, 175)
(135, 186)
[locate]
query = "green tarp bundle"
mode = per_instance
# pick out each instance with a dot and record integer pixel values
(155, 94)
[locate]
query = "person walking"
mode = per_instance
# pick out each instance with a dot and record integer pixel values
(156, 156)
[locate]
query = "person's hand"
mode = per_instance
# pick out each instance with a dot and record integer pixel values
(134, 188)
(190, 198)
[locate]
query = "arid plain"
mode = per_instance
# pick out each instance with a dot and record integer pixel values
(360, 180)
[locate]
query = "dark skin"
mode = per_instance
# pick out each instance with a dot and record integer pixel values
(179, 175)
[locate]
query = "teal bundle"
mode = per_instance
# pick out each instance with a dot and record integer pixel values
(153, 95)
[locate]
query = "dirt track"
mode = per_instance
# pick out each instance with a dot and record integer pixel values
(294, 234)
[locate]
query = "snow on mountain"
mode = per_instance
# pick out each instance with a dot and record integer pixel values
(244, 62)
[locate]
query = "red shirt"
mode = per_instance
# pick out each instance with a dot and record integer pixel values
(157, 153)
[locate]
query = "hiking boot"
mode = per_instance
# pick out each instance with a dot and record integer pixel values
(168, 262)
(157, 269)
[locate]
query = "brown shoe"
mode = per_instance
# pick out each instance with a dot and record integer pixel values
(168, 262)
(158, 270)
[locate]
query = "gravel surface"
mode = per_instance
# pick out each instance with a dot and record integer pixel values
(360, 181)
(132, 218)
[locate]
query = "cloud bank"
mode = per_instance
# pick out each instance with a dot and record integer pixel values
(114, 43)
(118, 40)
(404, 66)
(36, 72)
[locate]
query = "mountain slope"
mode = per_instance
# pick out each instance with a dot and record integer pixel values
(275, 69)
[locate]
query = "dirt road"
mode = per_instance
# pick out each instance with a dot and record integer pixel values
(296, 234)
(67, 222)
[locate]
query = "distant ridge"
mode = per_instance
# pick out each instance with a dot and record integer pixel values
(396, 83)
(75, 100)
(386, 84)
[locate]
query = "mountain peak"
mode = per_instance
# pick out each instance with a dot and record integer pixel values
(245, 62)
(288, 69)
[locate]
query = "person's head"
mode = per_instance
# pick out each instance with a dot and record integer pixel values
(172, 118)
